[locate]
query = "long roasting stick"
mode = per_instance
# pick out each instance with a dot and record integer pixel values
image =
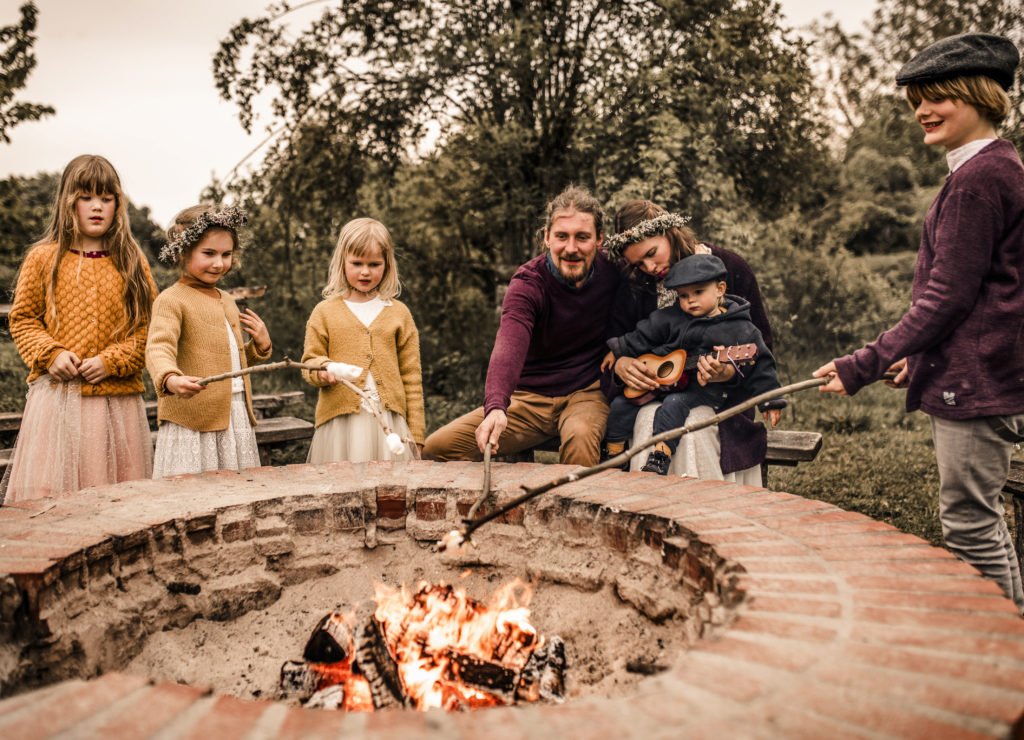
(456, 537)
(372, 406)
(486, 487)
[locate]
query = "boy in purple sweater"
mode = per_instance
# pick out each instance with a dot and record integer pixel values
(959, 344)
(543, 377)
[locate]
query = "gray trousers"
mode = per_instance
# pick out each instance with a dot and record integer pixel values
(973, 464)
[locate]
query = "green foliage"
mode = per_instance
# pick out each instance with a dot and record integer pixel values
(16, 63)
(519, 99)
(26, 204)
(876, 458)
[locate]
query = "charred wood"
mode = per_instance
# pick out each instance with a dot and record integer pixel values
(379, 668)
(330, 642)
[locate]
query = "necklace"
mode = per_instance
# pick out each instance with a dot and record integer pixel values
(91, 255)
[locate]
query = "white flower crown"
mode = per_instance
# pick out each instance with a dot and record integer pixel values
(616, 245)
(232, 218)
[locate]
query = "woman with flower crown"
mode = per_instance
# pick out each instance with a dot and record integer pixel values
(648, 240)
(197, 332)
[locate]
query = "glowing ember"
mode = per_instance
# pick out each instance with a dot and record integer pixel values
(436, 648)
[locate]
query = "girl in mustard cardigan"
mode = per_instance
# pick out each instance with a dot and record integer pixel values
(361, 323)
(196, 332)
(79, 317)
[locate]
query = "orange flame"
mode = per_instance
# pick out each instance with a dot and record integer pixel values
(426, 630)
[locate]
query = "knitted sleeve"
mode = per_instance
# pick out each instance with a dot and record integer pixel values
(316, 345)
(35, 344)
(162, 345)
(126, 358)
(519, 310)
(412, 377)
(946, 299)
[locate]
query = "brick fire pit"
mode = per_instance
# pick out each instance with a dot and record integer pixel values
(802, 619)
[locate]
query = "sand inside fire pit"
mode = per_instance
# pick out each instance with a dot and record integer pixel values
(610, 643)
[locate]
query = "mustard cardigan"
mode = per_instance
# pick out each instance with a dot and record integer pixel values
(187, 337)
(389, 348)
(90, 310)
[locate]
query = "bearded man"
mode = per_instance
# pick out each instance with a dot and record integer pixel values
(543, 376)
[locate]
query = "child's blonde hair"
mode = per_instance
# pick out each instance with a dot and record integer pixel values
(188, 218)
(980, 91)
(362, 237)
(90, 174)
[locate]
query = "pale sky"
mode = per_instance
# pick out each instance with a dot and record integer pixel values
(132, 80)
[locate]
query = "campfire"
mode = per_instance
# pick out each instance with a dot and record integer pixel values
(436, 648)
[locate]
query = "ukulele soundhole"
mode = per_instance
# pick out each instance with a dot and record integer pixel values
(665, 369)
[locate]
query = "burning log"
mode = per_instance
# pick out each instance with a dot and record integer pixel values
(436, 648)
(543, 678)
(376, 663)
(331, 640)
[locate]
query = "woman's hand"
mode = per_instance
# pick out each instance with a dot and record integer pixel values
(65, 366)
(772, 416)
(710, 370)
(255, 327)
(900, 369)
(636, 374)
(93, 370)
(608, 363)
(183, 386)
(834, 385)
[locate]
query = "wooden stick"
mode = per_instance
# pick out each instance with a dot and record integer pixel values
(458, 537)
(371, 405)
(265, 368)
(486, 487)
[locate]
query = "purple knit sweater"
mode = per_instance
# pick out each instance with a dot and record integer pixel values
(964, 333)
(552, 337)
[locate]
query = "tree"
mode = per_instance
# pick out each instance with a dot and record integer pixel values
(546, 86)
(454, 121)
(16, 63)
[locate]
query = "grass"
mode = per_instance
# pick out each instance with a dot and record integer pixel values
(876, 459)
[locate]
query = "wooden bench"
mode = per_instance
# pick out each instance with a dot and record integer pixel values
(263, 404)
(785, 447)
(271, 431)
(1014, 488)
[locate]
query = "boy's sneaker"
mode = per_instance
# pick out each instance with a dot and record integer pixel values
(658, 463)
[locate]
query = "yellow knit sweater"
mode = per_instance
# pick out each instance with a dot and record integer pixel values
(389, 348)
(187, 337)
(90, 309)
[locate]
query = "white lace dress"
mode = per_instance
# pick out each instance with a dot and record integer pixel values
(358, 437)
(180, 450)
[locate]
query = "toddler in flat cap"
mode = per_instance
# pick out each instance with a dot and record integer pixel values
(957, 350)
(704, 319)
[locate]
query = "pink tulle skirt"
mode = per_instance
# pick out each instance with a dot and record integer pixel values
(69, 441)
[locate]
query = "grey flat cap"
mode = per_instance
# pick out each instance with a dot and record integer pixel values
(697, 268)
(962, 56)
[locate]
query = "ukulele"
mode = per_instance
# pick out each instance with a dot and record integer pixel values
(670, 370)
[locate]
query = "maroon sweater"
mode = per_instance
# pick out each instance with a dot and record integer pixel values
(552, 336)
(963, 336)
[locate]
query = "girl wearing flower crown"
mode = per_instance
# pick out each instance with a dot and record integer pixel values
(360, 322)
(79, 318)
(197, 332)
